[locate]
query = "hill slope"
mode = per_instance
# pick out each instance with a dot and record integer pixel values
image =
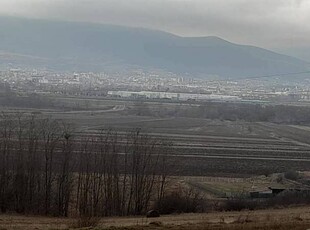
(84, 46)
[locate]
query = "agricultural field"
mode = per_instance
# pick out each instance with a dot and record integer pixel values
(201, 146)
(217, 158)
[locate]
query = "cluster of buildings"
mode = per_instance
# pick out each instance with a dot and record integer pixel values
(171, 96)
(152, 85)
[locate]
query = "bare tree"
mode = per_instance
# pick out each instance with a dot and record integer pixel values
(44, 169)
(64, 179)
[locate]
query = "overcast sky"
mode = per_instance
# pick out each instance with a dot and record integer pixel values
(266, 23)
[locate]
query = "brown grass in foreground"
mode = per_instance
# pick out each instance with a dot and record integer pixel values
(297, 225)
(206, 226)
(297, 218)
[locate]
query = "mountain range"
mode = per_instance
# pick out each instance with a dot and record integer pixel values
(77, 46)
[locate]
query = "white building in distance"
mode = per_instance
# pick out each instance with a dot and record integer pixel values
(172, 96)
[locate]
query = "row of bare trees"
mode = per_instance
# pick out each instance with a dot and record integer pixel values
(47, 169)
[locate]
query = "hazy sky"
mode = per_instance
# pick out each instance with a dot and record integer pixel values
(266, 23)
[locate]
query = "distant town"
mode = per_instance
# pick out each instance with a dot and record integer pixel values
(140, 84)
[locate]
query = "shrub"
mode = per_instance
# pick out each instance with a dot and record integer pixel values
(152, 214)
(241, 204)
(287, 198)
(181, 202)
(284, 199)
(292, 175)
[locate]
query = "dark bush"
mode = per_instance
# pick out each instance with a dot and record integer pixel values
(287, 198)
(152, 214)
(241, 204)
(292, 175)
(178, 202)
(284, 199)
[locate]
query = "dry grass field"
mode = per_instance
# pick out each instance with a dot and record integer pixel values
(217, 187)
(277, 219)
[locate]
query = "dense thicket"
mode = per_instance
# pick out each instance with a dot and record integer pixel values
(46, 169)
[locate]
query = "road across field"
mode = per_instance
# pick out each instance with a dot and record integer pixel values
(116, 108)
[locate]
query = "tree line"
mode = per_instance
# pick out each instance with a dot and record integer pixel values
(47, 169)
